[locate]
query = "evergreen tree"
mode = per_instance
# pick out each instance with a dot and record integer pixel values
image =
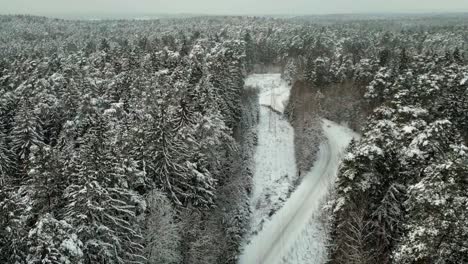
(104, 46)
(162, 238)
(384, 57)
(99, 204)
(458, 56)
(46, 179)
(403, 60)
(27, 132)
(14, 219)
(5, 160)
(436, 206)
(54, 242)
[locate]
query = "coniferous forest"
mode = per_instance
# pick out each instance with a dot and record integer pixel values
(133, 141)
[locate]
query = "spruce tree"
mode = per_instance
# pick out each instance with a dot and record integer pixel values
(99, 204)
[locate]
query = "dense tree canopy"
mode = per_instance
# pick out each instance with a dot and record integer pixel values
(122, 141)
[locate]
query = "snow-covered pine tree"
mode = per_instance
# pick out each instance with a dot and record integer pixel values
(14, 218)
(168, 158)
(6, 162)
(26, 133)
(380, 88)
(227, 77)
(436, 231)
(52, 241)
(322, 75)
(100, 206)
(162, 237)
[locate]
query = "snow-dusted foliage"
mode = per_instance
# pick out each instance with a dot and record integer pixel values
(98, 116)
(162, 237)
(52, 241)
(436, 207)
(108, 131)
(400, 195)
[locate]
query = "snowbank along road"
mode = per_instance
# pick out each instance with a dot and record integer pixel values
(294, 234)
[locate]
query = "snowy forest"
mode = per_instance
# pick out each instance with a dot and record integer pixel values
(133, 141)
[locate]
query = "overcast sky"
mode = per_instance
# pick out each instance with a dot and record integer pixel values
(228, 6)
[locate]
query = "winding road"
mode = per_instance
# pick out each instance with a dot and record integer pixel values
(283, 238)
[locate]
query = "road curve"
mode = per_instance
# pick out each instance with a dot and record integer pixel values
(279, 235)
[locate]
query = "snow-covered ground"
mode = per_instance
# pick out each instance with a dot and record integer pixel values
(275, 164)
(273, 91)
(294, 234)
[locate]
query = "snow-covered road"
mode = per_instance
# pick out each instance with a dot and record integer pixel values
(294, 234)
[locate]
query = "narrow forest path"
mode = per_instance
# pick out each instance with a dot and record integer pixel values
(294, 233)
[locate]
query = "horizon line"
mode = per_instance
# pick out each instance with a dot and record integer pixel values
(422, 12)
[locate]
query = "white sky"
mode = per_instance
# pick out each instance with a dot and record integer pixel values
(227, 6)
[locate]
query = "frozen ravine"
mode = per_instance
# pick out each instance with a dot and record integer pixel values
(294, 234)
